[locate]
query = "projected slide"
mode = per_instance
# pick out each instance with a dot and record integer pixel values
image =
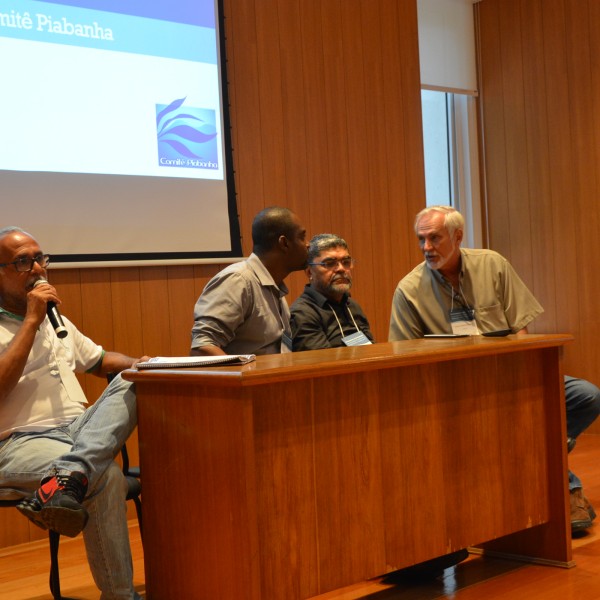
(111, 87)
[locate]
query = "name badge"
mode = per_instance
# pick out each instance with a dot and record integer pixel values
(356, 339)
(463, 321)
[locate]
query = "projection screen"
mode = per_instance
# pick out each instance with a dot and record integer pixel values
(114, 139)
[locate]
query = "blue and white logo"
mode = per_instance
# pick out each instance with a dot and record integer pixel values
(187, 137)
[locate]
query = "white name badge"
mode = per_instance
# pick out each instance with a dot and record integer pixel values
(465, 328)
(463, 321)
(356, 339)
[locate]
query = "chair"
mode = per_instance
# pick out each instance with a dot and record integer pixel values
(134, 486)
(134, 489)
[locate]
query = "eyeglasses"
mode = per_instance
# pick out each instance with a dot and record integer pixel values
(332, 263)
(24, 265)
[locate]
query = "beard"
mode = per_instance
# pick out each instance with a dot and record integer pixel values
(441, 260)
(340, 287)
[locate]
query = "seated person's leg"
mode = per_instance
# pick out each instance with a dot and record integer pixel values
(93, 440)
(582, 400)
(25, 459)
(96, 437)
(100, 432)
(106, 535)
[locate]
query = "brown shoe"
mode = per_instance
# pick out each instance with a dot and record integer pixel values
(589, 508)
(580, 517)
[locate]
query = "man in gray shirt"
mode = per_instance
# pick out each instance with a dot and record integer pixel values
(242, 309)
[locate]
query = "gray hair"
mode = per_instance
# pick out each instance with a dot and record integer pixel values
(324, 241)
(12, 229)
(453, 220)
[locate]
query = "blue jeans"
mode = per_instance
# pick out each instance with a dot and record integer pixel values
(89, 444)
(583, 406)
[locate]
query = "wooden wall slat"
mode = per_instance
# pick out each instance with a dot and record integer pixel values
(583, 113)
(155, 311)
(270, 89)
(97, 318)
(181, 288)
(493, 117)
(548, 54)
(404, 153)
(517, 176)
(375, 153)
(242, 53)
(563, 200)
(294, 78)
(360, 115)
(334, 196)
(411, 194)
(539, 190)
(127, 311)
(322, 214)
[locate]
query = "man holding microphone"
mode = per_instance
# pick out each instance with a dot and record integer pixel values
(55, 452)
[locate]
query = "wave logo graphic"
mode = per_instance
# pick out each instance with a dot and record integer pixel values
(187, 137)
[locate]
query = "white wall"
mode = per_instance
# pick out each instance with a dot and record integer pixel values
(447, 45)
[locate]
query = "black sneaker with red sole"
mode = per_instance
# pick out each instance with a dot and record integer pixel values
(57, 504)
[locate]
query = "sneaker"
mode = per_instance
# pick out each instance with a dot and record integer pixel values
(57, 504)
(580, 516)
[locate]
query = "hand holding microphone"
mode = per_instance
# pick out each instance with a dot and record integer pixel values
(53, 314)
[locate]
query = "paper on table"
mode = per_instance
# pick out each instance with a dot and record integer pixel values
(171, 362)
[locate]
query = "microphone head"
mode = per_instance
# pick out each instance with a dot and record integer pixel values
(53, 314)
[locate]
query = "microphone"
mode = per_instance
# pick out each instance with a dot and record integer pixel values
(54, 315)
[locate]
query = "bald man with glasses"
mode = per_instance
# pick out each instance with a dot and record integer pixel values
(55, 452)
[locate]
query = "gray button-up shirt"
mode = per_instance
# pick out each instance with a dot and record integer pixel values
(242, 311)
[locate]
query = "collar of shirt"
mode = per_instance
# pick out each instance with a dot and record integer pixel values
(441, 279)
(264, 276)
(11, 315)
(321, 300)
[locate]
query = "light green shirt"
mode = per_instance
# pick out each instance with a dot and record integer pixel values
(488, 283)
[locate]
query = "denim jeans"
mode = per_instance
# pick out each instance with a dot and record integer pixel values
(583, 406)
(89, 444)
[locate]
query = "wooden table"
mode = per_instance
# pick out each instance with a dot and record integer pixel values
(302, 473)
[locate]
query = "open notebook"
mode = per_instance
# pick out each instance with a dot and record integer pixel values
(171, 362)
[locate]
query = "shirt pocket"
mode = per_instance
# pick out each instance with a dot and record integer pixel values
(491, 318)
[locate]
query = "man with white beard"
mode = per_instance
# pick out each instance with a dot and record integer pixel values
(471, 292)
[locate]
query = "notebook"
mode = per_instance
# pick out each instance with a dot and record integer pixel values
(172, 362)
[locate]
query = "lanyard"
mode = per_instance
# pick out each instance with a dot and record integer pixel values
(338, 321)
(454, 296)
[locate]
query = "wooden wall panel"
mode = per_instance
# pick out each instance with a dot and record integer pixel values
(326, 119)
(515, 137)
(332, 128)
(333, 198)
(584, 115)
(493, 111)
(540, 109)
(540, 222)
